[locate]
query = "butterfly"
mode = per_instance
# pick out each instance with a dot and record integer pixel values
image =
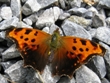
(64, 53)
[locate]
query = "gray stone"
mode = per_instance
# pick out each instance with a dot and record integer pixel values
(93, 9)
(47, 76)
(78, 11)
(28, 21)
(85, 75)
(74, 3)
(103, 34)
(88, 14)
(16, 7)
(0, 18)
(45, 3)
(5, 1)
(3, 79)
(10, 53)
(18, 74)
(98, 20)
(73, 29)
(80, 21)
(97, 64)
(23, 1)
(22, 24)
(8, 23)
(6, 12)
(108, 21)
(62, 4)
(7, 64)
(2, 34)
(48, 17)
(33, 18)
(63, 16)
(104, 4)
(30, 7)
(104, 80)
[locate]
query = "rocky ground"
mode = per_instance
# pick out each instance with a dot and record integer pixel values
(89, 19)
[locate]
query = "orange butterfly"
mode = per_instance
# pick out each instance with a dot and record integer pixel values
(67, 53)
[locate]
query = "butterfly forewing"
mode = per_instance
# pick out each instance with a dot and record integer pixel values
(72, 53)
(33, 45)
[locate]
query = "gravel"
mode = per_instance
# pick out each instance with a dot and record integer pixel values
(79, 18)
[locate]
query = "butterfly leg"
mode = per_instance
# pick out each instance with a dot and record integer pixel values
(40, 77)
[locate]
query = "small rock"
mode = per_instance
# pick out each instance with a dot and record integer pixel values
(48, 17)
(7, 64)
(18, 74)
(88, 14)
(104, 80)
(97, 64)
(7, 1)
(78, 11)
(30, 7)
(80, 20)
(6, 12)
(8, 23)
(74, 3)
(63, 16)
(64, 79)
(33, 18)
(28, 21)
(22, 24)
(108, 21)
(93, 9)
(98, 20)
(45, 3)
(85, 75)
(16, 7)
(103, 34)
(3, 79)
(10, 53)
(73, 29)
(104, 4)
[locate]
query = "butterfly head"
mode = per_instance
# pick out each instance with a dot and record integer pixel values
(55, 39)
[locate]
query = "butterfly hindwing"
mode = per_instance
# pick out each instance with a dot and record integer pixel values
(72, 53)
(33, 45)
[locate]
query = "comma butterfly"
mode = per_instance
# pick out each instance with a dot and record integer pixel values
(68, 53)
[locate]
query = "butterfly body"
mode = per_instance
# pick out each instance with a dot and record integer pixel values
(68, 53)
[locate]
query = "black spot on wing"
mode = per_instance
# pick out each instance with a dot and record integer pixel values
(28, 31)
(18, 29)
(74, 48)
(36, 33)
(33, 40)
(94, 44)
(74, 40)
(83, 41)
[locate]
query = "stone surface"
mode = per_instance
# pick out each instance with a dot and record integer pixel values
(97, 64)
(10, 53)
(85, 75)
(16, 7)
(78, 11)
(19, 74)
(48, 17)
(103, 34)
(30, 7)
(9, 22)
(98, 21)
(80, 21)
(3, 79)
(104, 4)
(73, 29)
(6, 12)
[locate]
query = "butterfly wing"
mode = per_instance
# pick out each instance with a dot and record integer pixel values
(33, 45)
(72, 53)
